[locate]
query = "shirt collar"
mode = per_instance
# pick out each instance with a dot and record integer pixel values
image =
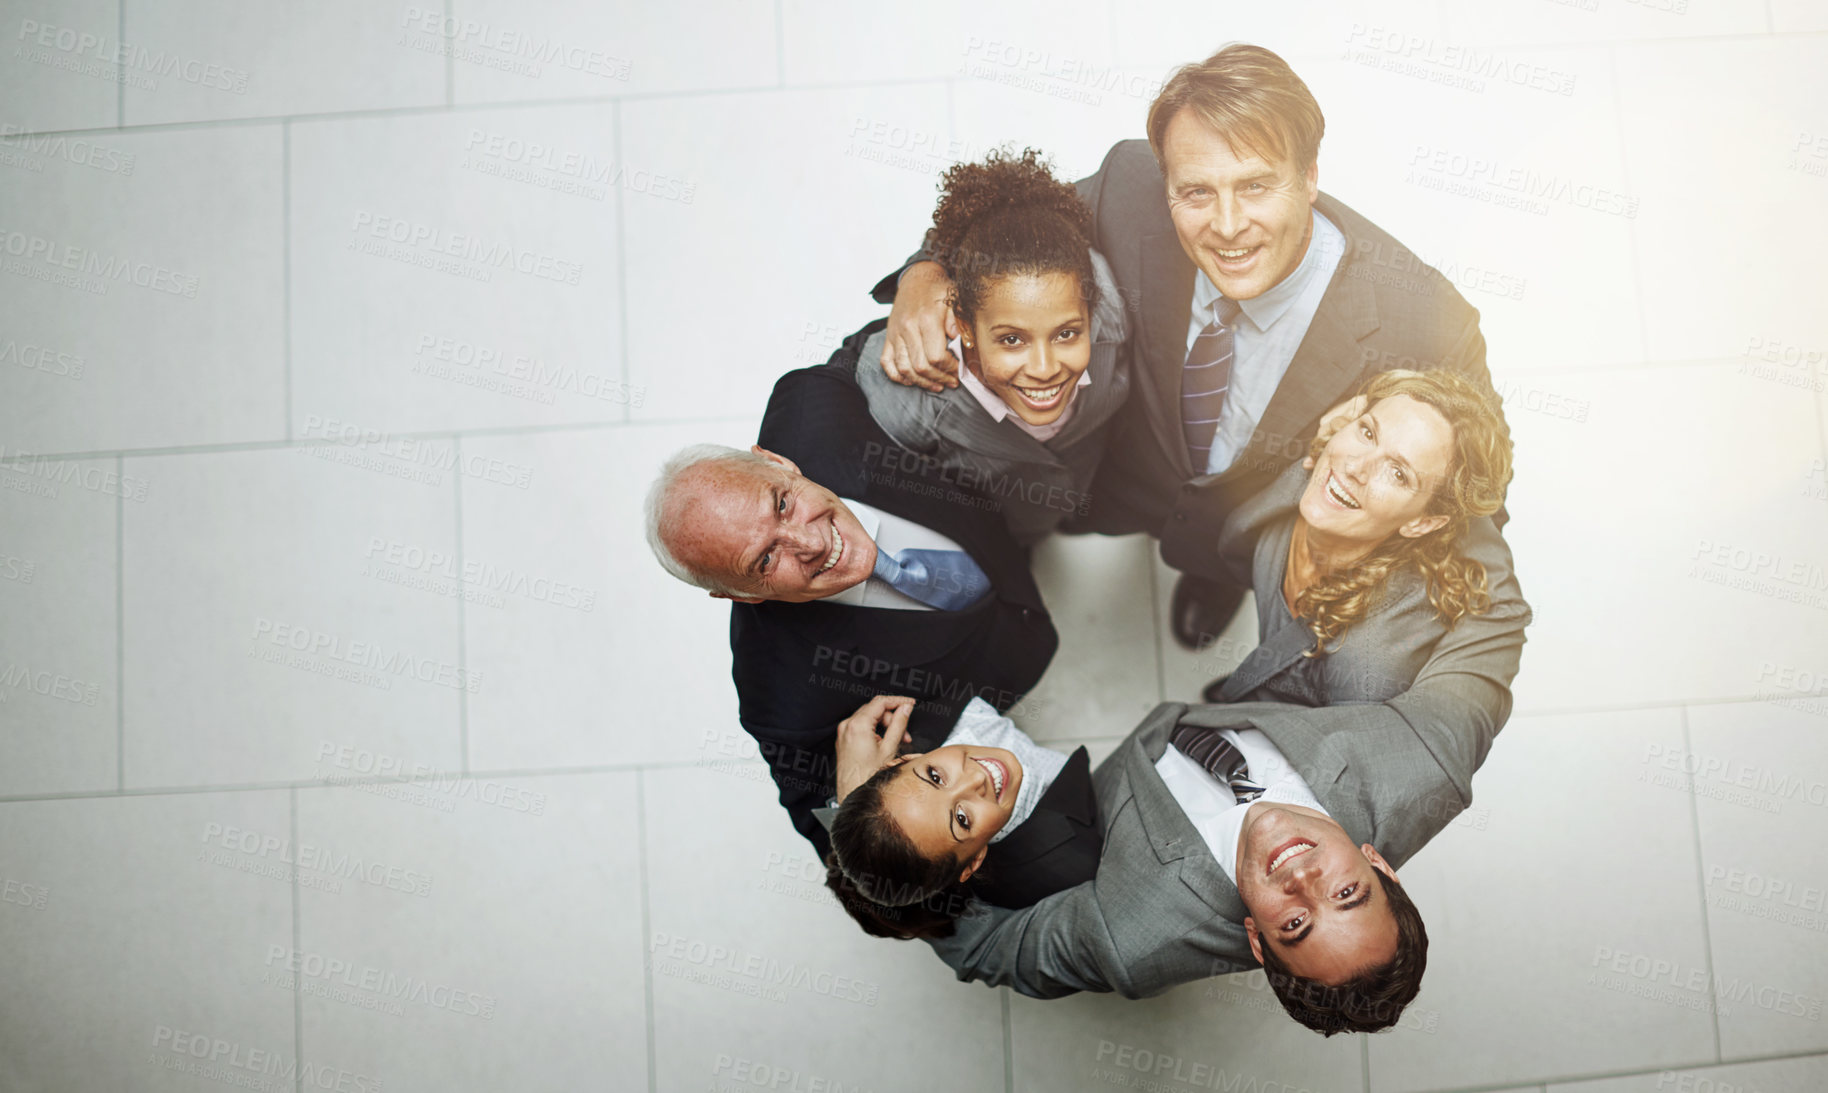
(988, 399)
(1264, 309)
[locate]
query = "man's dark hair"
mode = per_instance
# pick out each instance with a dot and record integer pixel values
(1370, 1001)
(878, 874)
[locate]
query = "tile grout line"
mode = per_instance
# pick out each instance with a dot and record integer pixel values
(298, 981)
(580, 426)
(485, 106)
(615, 130)
(1560, 1079)
(781, 46)
(834, 85)
(120, 630)
(1009, 1054)
(285, 271)
(647, 958)
(463, 661)
(1707, 927)
(1155, 612)
(29, 459)
(646, 765)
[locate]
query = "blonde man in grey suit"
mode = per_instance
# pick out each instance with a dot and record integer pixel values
(1260, 302)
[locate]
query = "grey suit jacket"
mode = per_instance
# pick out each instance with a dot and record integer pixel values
(1378, 657)
(1384, 308)
(1037, 484)
(1160, 911)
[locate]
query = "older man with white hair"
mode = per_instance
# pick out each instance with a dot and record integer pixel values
(855, 568)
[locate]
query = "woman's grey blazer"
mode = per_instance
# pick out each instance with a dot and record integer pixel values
(1379, 656)
(957, 444)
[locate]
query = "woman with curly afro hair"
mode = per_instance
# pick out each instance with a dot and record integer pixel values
(1038, 323)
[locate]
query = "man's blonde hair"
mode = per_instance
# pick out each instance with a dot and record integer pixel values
(1249, 96)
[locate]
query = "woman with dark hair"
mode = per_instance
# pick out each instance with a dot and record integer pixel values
(1038, 323)
(990, 814)
(1359, 557)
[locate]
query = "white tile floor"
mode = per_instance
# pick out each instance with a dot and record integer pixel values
(296, 506)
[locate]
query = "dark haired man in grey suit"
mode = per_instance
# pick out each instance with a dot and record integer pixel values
(1261, 302)
(1194, 880)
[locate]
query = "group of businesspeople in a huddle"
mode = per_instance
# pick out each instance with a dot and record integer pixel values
(1196, 343)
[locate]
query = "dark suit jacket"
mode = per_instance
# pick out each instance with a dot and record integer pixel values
(1383, 309)
(800, 668)
(1054, 849)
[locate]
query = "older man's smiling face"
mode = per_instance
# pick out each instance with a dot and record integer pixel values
(767, 530)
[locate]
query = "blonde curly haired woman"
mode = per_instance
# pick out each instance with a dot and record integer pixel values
(1376, 546)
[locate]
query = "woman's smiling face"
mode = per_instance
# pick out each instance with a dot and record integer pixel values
(1378, 474)
(1030, 342)
(951, 801)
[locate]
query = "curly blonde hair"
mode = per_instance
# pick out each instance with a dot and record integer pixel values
(1478, 472)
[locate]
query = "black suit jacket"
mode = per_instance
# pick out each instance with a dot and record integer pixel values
(1384, 308)
(1056, 848)
(801, 668)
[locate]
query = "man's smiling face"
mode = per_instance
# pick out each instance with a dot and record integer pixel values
(1242, 219)
(1312, 895)
(766, 530)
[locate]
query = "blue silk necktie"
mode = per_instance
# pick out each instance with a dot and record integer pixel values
(946, 579)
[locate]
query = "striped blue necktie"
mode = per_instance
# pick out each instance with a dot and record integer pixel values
(1205, 380)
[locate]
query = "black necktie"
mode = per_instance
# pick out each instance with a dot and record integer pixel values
(1219, 757)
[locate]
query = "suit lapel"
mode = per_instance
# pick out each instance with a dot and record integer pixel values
(1268, 659)
(1167, 308)
(1177, 845)
(1325, 367)
(1068, 802)
(989, 443)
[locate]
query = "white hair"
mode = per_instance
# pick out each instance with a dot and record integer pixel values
(655, 510)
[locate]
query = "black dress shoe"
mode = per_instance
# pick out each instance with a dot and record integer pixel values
(1201, 609)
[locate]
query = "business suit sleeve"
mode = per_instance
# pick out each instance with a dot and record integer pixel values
(1467, 356)
(1461, 697)
(1057, 947)
(1088, 187)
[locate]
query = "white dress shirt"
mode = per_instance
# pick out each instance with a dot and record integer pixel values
(1267, 335)
(1209, 803)
(980, 724)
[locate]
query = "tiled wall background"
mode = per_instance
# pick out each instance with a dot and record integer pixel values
(296, 503)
